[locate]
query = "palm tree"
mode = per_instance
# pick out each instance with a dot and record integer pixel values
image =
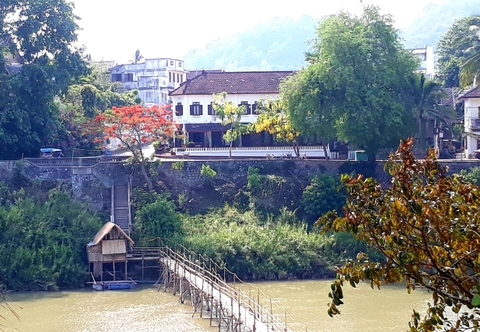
(470, 69)
(137, 57)
(426, 97)
(470, 45)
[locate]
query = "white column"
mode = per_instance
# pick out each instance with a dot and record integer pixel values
(471, 145)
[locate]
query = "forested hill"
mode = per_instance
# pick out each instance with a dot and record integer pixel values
(428, 28)
(277, 44)
(280, 43)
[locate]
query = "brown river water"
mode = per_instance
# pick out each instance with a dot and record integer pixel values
(147, 310)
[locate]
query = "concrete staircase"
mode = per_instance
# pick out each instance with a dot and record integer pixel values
(121, 207)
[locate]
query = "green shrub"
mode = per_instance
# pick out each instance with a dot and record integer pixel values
(255, 250)
(241, 200)
(178, 165)
(208, 172)
(472, 176)
(323, 194)
(157, 220)
(253, 178)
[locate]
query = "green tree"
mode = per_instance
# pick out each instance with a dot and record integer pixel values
(157, 220)
(40, 35)
(42, 243)
(231, 116)
(306, 108)
(458, 52)
(89, 96)
(426, 227)
(324, 193)
(362, 71)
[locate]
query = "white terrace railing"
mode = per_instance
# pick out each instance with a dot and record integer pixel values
(315, 151)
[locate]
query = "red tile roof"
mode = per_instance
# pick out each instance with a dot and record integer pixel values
(246, 82)
(472, 93)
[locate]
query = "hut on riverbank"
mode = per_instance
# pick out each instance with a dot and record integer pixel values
(107, 253)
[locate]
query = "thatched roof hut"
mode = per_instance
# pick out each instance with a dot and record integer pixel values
(109, 244)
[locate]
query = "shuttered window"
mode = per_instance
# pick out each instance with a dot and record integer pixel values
(179, 109)
(196, 108)
(254, 108)
(211, 111)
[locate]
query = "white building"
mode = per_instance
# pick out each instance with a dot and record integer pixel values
(153, 78)
(427, 60)
(192, 102)
(471, 121)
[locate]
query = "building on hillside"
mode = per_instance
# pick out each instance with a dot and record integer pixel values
(153, 78)
(192, 102)
(427, 60)
(471, 120)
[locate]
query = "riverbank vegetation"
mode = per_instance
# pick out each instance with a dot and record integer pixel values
(42, 239)
(43, 231)
(275, 248)
(254, 243)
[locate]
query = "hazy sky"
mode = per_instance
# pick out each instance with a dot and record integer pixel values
(114, 29)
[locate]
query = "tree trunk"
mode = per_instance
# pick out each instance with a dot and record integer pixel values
(145, 176)
(296, 149)
(422, 133)
(325, 152)
(230, 150)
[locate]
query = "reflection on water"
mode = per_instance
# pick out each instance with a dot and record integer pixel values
(388, 309)
(146, 310)
(140, 310)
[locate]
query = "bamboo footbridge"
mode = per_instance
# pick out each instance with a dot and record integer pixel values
(229, 307)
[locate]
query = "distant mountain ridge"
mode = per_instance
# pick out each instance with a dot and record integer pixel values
(280, 43)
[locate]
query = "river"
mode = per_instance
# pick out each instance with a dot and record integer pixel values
(147, 310)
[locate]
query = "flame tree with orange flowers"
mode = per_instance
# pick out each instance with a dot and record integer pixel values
(135, 126)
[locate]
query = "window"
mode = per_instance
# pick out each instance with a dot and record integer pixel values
(180, 64)
(169, 77)
(211, 111)
(196, 108)
(254, 108)
(128, 77)
(149, 96)
(178, 78)
(179, 109)
(247, 107)
(116, 77)
(171, 63)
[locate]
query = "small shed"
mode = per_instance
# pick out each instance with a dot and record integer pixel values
(109, 246)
